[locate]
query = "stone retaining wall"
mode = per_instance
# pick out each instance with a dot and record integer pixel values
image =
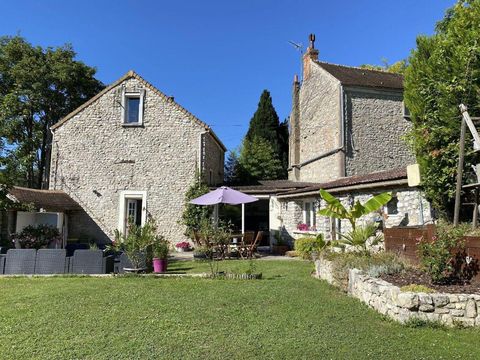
(387, 299)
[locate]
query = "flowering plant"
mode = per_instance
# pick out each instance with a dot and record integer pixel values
(35, 237)
(185, 245)
(302, 227)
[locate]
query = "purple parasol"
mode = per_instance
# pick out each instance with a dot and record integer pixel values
(224, 195)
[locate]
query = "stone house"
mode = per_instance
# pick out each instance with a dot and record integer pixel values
(346, 136)
(130, 152)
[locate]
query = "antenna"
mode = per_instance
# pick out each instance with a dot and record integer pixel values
(299, 48)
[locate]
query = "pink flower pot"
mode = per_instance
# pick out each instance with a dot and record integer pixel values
(159, 265)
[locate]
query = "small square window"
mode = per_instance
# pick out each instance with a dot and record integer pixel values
(132, 110)
(392, 206)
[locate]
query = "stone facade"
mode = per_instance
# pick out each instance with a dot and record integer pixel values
(96, 158)
(375, 127)
(342, 129)
(411, 209)
(318, 126)
(389, 300)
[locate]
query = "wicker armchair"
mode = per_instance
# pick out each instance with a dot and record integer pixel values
(20, 261)
(2, 263)
(51, 261)
(88, 262)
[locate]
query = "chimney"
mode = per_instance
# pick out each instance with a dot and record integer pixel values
(294, 138)
(310, 55)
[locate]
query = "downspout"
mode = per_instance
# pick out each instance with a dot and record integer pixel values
(342, 164)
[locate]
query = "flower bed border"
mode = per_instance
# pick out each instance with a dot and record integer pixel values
(389, 300)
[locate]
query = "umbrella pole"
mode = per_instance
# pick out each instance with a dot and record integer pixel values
(215, 215)
(243, 218)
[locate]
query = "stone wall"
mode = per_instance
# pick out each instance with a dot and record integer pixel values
(319, 125)
(375, 127)
(212, 164)
(95, 156)
(412, 207)
(387, 299)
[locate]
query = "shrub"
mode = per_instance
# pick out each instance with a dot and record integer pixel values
(417, 288)
(388, 268)
(342, 262)
(437, 256)
(360, 237)
(307, 245)
(35, 237)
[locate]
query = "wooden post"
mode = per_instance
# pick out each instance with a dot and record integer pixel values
(458, 189)
(475, 209)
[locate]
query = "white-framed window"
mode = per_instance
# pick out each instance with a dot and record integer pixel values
(132, 206)
(309, 214)
(132, 108)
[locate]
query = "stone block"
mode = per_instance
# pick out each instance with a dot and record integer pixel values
(440, 300)
(426, 308)
(471, 309)
(441, 310)
(408, 300)
(457, 313)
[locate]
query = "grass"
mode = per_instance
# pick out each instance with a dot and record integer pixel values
(287, 315)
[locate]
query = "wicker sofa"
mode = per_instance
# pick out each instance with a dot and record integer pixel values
(54, 261)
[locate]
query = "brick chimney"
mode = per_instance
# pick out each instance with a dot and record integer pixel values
(294, 138)
(310, 55)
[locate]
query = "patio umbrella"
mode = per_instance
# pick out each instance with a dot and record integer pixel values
(225, 195)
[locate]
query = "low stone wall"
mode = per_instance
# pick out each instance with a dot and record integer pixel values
(387, 299)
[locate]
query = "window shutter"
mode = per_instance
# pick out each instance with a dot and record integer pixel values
(123, 104)
(140, 108)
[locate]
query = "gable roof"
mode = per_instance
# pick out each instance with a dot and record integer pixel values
(133, 74)
(354, 76)
(50, 200)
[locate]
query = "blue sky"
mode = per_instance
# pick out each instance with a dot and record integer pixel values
(216, 57)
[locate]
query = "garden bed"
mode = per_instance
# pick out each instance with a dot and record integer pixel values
(418, 277)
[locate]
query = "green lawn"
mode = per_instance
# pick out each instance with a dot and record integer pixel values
(287, 315)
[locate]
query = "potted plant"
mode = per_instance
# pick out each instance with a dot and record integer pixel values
(160, 254)
(281, 246)
(183, 246)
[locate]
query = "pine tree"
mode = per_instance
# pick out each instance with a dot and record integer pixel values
(232, 168)
(258, 161)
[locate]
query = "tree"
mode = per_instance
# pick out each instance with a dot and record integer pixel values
(38, 86)
(265, 125)
(444, 71)
(232, 168)
(398, 67)
(194, 215)
(258, 161)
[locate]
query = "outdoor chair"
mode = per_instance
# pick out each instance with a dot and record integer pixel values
(251, 249)
(51, 261)
(248, 240)
(2, 263)
(88, 262)
(20, 261)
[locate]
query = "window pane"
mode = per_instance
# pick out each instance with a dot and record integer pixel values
(133, 107)
(307, 214)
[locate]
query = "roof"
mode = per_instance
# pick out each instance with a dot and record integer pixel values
(50, 200)
(272, 186)
(357, 181)
(133, 74)
(354, 76)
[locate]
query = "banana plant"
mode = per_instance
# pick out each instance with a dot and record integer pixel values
(360, 237)
(335, 208)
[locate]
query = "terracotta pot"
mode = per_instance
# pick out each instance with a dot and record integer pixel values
(159, 265)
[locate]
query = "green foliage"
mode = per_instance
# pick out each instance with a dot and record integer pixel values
(360, 237)
(342, 262)
(336, 209)
(444, 72)
(258, 161)
(194, 215)
(38, 87)
(307, 245)
(398, 67)
(160, 248)
(437, 255)
(138, 240)
(264, 153)
(36, 237)
(417, 288)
